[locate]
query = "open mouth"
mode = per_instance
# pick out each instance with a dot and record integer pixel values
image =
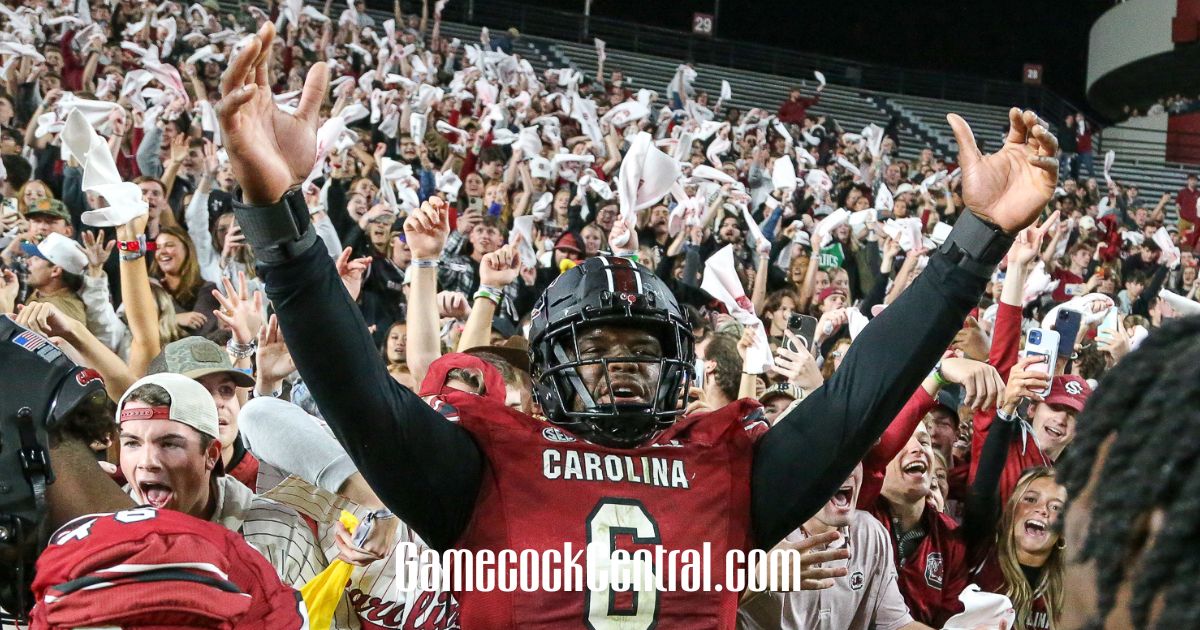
(1036, 528)
(842, 498)
(624, 394)
(916, 469)
(156, 494)
(1056, 433)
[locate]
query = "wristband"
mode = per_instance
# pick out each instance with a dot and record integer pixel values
(140, 245)
(277, 232)
(631, 256)
(976, 245)
(424, 263)
(494, 297)
(491, 289)
(131, 256)
(242, 351)
(938, 378)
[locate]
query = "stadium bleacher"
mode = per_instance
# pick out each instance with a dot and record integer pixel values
(921, 120)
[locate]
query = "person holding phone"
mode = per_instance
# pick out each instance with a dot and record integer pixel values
(1014, 544)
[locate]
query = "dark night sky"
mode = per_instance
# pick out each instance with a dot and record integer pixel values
(990, 38)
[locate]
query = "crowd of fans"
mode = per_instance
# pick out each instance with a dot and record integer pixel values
(781, 214)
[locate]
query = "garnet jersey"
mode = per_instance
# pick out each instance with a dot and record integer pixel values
(990, 578)
(151, 568)
(543, 487)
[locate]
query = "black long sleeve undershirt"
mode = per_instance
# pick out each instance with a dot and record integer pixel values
(428, 470)
(983, 500)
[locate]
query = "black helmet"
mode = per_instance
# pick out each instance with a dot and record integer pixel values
(608, 291)
(39, 388)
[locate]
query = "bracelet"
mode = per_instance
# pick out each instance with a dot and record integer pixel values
(425, 263)
(938, 378)
(631, 256)
(138, 245)
(486, 294)
(241, 351)
(132, 256)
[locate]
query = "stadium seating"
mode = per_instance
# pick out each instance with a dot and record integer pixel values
(921, 121)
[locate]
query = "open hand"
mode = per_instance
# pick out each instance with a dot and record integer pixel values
(239, 311)
(269, 149)
(1010, 187)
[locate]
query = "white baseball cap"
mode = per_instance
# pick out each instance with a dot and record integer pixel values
(60, 251)
(191, 404)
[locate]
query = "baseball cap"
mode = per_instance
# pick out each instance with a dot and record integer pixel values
(61, 251)
(1070, 391)
(828, 291)
(779, 389)
(48, 207)
(568, 242)
(196, 357)
(191, 404)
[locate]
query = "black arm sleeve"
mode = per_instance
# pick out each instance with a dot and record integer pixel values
(804, 458)
(983, 500)
(425, 468)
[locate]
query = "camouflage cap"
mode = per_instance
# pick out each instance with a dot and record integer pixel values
(48, 207)
(196, 357)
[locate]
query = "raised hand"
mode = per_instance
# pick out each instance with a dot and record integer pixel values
(97, 251)
(1028, 244)
(352, 271)
(239, 311)
(981, 382)
(426, 229)
(623, 238)
(269, 150)
(501, 267)
(1010, 187)
(272, 359)
(1024, 382)
(797, 366)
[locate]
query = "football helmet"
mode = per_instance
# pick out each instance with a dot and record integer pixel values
(39, 388)
(608, 291)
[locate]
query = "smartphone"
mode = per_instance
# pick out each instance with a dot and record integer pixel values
(804, 327)
(1108, 326)
(1067, 327)
(1042, 342)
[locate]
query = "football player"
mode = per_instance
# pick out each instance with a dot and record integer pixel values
(617, 464)
(110, 563)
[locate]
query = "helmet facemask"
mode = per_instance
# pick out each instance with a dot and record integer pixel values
(569, 402)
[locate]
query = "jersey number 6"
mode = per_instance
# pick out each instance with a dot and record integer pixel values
(611, 518)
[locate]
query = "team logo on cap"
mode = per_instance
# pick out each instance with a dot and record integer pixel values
(85, 377)
(1073, 388)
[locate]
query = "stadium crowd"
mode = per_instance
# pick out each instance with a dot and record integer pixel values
(453, 185)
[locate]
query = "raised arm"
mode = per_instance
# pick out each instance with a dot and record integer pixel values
(497, 270)
(424, 468)
(816, 445)
(140, 308)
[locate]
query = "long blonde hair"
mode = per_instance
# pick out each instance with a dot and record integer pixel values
(168, 327)
(1017, 587)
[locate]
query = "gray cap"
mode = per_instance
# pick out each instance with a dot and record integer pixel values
(196, 357)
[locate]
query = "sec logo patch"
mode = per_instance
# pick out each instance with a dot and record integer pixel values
(556, 435)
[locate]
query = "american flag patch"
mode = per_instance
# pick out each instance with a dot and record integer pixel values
(30, 340)
(38, 345)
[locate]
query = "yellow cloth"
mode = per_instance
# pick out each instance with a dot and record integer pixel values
(321, 594)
